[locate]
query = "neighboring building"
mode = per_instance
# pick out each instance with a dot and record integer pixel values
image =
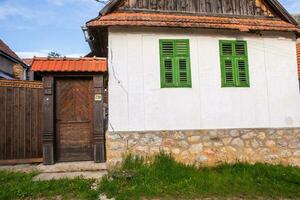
(31, 75)
(11, 66)
(208, 81)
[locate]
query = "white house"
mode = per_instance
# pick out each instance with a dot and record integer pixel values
(206, 80)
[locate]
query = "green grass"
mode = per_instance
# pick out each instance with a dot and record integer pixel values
(166, 179)
(20, 186)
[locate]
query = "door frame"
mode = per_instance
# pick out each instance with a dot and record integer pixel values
(49, 129)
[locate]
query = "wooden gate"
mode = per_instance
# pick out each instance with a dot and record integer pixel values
(20, 121)
(74, 115)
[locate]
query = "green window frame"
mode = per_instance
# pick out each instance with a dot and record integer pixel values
(175, 67)
(234, 63)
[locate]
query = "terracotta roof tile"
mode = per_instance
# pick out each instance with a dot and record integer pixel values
(191, 21)
(69, 64)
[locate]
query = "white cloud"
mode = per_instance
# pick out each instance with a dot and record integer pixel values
(31, 54)
(75, 55)
(63, 2)
(10, 8)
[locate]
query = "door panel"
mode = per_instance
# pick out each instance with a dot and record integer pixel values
(74, 119)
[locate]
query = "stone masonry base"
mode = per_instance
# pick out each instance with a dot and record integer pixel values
(209, 147)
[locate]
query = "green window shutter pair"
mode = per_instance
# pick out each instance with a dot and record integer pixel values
(175, 63)
(176, 70)
(234, 63)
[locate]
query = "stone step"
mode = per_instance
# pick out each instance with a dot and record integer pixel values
(69, 175)
(84, 166)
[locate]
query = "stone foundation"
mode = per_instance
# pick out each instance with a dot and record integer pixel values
(210, 147)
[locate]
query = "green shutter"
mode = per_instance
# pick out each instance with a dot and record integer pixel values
(228, 72)
(168, 71)
(234, 63)
(175, 63)
(242, 72)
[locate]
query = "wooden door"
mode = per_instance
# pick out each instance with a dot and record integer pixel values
(74, 105)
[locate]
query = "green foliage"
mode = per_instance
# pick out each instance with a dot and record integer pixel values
(166, 179)
(54, 54)
(20, 186)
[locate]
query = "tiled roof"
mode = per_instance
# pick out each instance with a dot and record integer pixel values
(5, 49)
(298, 58)
(69, 64)
(191, 21)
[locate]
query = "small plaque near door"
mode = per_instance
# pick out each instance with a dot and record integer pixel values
(98, 97)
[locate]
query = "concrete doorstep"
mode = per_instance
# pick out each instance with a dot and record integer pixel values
(71, 170)
(69, 175)
(72, 167)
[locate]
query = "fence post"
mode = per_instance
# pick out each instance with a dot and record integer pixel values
(48, 120)
(99, 139)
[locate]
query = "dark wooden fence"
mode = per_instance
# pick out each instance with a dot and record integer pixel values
(20, 121)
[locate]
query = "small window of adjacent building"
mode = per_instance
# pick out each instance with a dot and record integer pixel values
(175, 63)
(234, 63)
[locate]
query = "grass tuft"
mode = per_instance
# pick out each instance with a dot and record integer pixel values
(20, 186)
(167, 179)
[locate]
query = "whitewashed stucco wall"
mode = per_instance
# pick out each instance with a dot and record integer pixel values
(137, 103)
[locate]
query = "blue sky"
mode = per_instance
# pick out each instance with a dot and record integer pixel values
(36, 27)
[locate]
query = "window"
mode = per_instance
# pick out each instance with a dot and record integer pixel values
(175, 63)
(234, 63)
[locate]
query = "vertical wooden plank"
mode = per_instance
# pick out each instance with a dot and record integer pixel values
(201, 6)
(2, 122)
(30, 123)
(16, 124)
(34, 123)
(5, 127)
(27, 124)
(22, 122)
(99, 137)
(40, 122)
(9, 123)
